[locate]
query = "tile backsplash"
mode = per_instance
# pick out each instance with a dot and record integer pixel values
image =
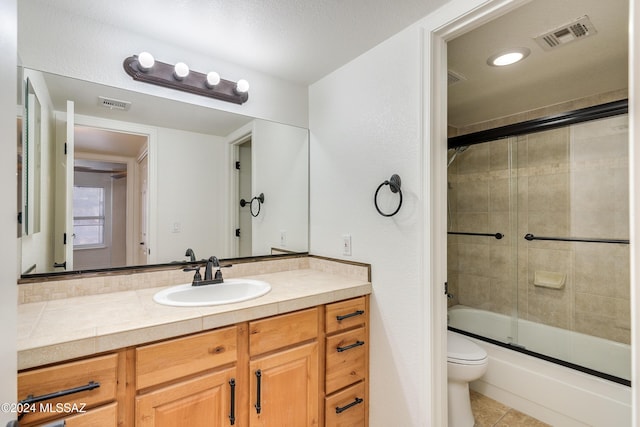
(119, 281)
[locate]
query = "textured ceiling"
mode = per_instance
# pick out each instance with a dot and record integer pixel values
(297, 40)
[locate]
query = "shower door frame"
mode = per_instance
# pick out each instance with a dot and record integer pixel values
(556, 121)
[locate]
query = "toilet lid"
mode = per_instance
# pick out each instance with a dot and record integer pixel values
(461, 350)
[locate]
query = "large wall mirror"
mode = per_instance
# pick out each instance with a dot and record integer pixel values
(127, 179)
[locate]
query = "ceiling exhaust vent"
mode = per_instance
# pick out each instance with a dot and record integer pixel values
(113, 104)
(453, 77)
(576, 30)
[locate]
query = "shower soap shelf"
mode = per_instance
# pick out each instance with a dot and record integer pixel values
(549, 279)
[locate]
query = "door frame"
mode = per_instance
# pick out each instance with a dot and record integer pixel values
(434, 161)
(152, 144)
(234, 180)
(464, 19)
(234, 140)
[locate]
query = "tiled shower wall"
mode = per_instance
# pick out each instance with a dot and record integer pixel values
(569, 182)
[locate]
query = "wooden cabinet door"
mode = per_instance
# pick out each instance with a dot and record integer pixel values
(284, 388)
(202, 401)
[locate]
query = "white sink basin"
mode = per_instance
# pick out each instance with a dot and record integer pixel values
(230, 291)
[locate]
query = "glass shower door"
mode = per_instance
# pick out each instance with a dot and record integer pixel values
(538, 250)
(574, 289)
(482, 265)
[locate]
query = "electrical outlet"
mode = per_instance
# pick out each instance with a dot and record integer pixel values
(283, 238)
(176, 227)
(346, 244)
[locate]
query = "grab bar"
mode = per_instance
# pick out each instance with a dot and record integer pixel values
(531, 237)
(496, 235)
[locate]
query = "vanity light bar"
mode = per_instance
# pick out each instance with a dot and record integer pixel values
(181, 78)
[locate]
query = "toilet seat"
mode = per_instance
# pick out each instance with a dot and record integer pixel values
(463, 351)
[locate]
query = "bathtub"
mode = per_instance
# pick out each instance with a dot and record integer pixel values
(598, 354)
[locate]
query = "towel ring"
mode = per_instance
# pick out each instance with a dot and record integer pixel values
(394, 186)
(260, 200)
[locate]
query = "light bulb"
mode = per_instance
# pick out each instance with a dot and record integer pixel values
(213, 79)
(180, 70)
(508, 57)
(242, 86)
(145, 61)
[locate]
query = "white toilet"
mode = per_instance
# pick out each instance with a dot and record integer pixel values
(466, 361)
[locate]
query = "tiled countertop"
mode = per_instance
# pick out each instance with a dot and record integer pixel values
(57, 330)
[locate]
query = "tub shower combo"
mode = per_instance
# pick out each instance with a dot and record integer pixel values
(538, 249)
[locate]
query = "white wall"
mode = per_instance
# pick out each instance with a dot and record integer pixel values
(79, 47)
(192, 191)
(365, 122)
(8, 251)
(280, 170)
(368, 120)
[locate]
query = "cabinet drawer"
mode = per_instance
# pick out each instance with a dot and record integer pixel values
(345, 314)
(346, 408)
(104, 416)
(345, 359)
(69, 377)
(281, 331)
(169, 360)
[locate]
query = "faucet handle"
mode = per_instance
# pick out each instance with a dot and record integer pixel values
(196, 277)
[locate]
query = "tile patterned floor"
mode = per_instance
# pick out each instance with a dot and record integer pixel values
(490, 413)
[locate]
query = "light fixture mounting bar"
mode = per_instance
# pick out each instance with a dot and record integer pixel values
(162, 74)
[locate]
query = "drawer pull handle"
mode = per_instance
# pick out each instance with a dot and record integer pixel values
(31, 399)
(349, 347)
(340, 410)
(259, 380)
(346, 316)
(232, 414)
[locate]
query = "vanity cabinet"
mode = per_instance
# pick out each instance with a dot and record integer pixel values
(284, 370)
(83, 393)
(347, 363)
(304, 368)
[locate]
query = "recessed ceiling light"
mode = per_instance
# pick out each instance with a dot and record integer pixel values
(508, 57)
